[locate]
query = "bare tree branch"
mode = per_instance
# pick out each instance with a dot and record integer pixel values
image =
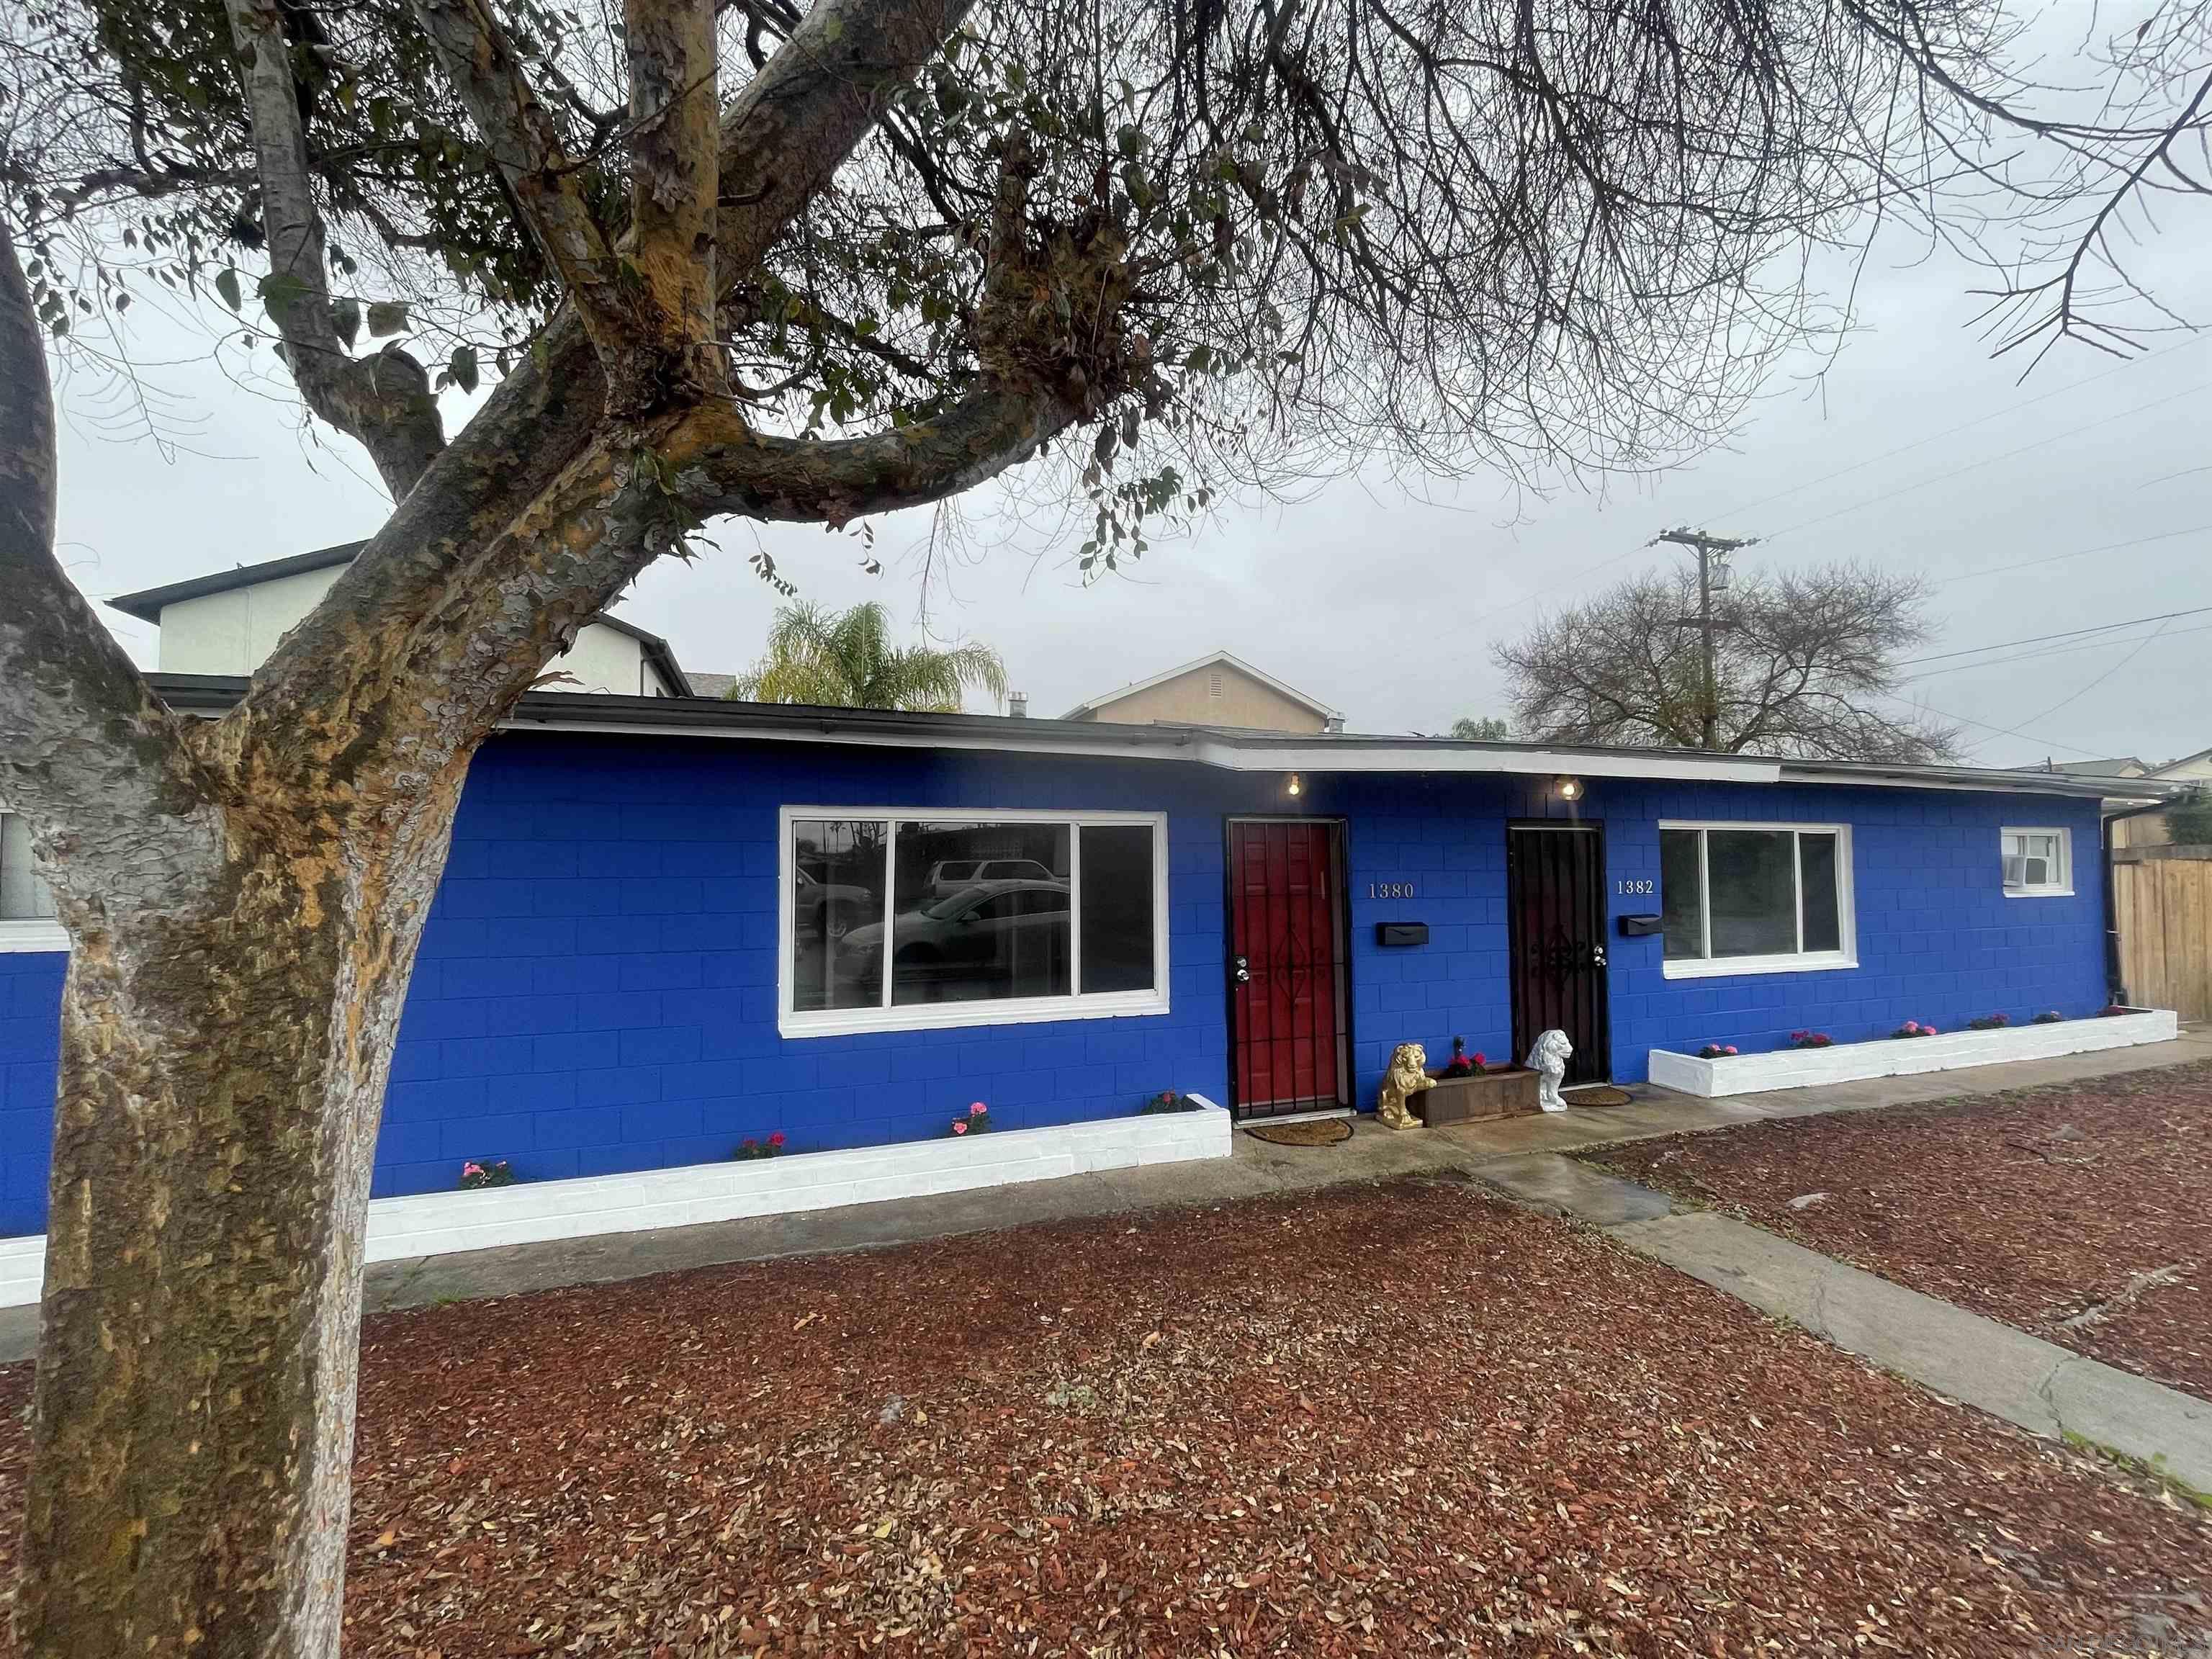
(382, 400)
(1802, 664)
(87, 751)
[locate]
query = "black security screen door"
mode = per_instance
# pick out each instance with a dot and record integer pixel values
(1555, 901)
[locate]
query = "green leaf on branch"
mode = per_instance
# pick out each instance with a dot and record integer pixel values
(226, 284)
(277, 290)
(461, 368)
(387, 317)
(345, 318)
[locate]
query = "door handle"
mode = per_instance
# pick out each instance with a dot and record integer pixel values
(1597, 955)
(1240, 971)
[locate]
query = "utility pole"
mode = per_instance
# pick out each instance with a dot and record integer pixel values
(1712, 553)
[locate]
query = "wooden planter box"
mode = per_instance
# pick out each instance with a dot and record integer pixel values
(1508, 1093)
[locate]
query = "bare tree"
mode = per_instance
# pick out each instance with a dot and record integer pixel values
(737, 260)
(1803, 663)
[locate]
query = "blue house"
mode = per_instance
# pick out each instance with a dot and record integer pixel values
(671, 924)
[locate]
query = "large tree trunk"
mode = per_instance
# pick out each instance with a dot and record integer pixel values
(223, 1066)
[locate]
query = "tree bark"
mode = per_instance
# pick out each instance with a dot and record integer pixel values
(222, 1073)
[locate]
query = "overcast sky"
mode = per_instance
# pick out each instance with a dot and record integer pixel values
(1915, 451)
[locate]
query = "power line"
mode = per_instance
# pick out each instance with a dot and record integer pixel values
(2038, 656)
(2078, 553)
(2098, 681)
(1991, 460)
(1953, 431)
(2005, 730)
(2038, 639)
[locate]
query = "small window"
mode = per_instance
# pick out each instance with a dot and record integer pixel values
(1214, 685)
(1741, 898)
(2037, 863)
(925, 921)
(26, 907)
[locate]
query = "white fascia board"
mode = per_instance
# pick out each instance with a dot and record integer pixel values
(1991, 783)
(1355, 755)
(1331, 755)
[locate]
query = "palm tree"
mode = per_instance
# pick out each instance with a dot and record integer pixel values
(845, 660)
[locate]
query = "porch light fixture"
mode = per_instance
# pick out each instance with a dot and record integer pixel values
(1294, 788)
(1570, 788)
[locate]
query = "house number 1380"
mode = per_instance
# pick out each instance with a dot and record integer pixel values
(1389, 889)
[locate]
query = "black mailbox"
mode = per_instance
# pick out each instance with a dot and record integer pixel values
(1640, 926)
(1401, 932)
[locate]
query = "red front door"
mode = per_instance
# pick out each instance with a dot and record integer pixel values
(1287, 949)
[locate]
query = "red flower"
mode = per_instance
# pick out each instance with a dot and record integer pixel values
(776, 1139)
(1478, 1058)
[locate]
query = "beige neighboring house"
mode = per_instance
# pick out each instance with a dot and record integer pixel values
(1215, 690)
(2148, 829)
(228, 623)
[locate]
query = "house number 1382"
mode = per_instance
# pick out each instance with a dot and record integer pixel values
(1387, 889)
(1637, 887)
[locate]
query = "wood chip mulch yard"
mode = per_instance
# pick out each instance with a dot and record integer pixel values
(2081, 1212)
(1398, 1420)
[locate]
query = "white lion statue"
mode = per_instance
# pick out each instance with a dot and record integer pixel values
(1407, 1076)
(1548, 1060)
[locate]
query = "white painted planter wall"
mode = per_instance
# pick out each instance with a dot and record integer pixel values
(440, 1224)
(1847, 1062)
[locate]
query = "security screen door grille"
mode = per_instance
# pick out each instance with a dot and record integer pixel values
(1555, 902)
(1288, 991)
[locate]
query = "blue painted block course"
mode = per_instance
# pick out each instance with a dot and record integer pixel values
(596, 989)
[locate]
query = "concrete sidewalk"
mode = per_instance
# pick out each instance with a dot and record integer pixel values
(1489, 1151)
(2044, 1389)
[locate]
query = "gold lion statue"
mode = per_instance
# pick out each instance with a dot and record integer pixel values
(1407, 1076)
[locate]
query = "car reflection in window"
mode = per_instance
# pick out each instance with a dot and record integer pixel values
(984, 942)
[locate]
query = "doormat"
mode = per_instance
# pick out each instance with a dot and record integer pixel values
(1314, 1132)
(1597, 1094)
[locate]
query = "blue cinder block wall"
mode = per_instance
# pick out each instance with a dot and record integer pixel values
(595, 991)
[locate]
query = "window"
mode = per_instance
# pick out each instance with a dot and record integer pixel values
(1756, 898)
(27, 909)
(898, 922)
(2037, 863)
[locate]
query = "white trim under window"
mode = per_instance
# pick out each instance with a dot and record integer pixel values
(2037, 861)
(1706, 965)
(887, 1016)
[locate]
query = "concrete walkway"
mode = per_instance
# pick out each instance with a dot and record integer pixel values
(2044, 1389)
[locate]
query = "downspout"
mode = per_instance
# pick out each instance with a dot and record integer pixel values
(2114, 980)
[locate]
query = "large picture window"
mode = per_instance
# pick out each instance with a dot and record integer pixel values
(1754, 898)
(898, 921)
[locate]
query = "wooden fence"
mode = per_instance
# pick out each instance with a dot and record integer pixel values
(2162, 902)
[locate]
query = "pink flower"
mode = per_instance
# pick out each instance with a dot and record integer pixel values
(959, 1127)
(776, 1139)
(1729, 1049)
(977, 1109)
(1929, 1031)
(1912, 1024)
(472, 1169)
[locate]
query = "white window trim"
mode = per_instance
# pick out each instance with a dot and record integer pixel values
(2064, 887)
(943, 1016)
(37, 933)
(1795, 962)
